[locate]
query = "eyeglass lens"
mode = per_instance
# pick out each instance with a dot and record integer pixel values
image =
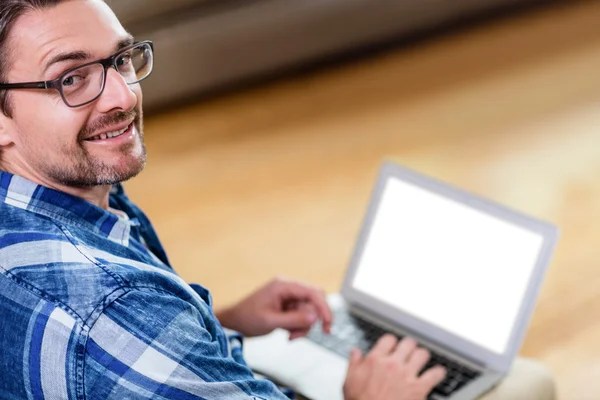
(84, 84)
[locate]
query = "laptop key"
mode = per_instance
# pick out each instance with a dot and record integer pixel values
(349, 331)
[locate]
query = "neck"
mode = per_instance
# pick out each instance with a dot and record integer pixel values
(97, 195)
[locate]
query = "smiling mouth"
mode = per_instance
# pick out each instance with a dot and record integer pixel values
(110, 135)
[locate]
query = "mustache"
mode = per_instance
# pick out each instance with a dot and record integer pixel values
(106, 121)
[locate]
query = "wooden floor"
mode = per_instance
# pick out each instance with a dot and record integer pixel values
(275, 179)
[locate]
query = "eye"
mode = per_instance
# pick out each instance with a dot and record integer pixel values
(71, 80)
(123, 60)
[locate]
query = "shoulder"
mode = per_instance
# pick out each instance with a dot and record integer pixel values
(39, 258)
(79, 273)
(18, 219)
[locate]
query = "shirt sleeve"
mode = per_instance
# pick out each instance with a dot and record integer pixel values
(153, 345)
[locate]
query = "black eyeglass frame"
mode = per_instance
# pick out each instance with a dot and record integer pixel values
(109, 62)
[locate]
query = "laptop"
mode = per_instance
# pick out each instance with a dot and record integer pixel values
(457, 272)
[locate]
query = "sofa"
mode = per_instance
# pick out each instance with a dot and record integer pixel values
(205, 45)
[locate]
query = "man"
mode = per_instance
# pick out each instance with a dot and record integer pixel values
(90, 307)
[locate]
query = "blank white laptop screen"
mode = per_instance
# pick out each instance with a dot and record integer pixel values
(448, 264)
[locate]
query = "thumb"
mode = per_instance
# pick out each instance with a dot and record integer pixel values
(355, 357)
(295, 319)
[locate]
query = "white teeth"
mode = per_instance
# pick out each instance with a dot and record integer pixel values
(117, 133)
(110, 135)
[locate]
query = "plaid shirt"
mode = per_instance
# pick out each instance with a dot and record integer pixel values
(90, 308)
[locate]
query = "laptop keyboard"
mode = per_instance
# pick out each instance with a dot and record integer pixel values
(350, 331)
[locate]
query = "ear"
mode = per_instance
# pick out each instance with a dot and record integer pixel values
(7, 129)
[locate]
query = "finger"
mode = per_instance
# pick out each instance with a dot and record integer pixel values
(294, 335)
(355, 358)
(384, 346)
(293, 320)
(298, 334)
(418, 359)
(405, 349)
(433, 376)
(320, 300)
(305, 307)
(303, 292)
(310, 310)
(316, 298)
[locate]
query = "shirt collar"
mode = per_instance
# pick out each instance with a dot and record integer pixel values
(19, 192)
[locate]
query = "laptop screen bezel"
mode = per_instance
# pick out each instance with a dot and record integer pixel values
(485, 357)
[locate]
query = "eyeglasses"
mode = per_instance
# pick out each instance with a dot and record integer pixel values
(84, 84)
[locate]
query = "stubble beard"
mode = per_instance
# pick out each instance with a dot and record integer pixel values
(83, 170)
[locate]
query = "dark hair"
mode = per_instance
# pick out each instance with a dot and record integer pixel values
(10, 11)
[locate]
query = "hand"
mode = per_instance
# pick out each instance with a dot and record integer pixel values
(391, 372)
(281, 303)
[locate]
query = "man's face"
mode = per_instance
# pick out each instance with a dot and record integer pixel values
(57, 144)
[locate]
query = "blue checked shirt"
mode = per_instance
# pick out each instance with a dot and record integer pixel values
(90, 308)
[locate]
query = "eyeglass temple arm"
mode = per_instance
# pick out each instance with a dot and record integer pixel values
(26, 85)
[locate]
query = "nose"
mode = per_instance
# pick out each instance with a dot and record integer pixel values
(117, 94)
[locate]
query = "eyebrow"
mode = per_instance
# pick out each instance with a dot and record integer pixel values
(84, 55)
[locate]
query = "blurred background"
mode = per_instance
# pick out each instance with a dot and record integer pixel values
(267, 120)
